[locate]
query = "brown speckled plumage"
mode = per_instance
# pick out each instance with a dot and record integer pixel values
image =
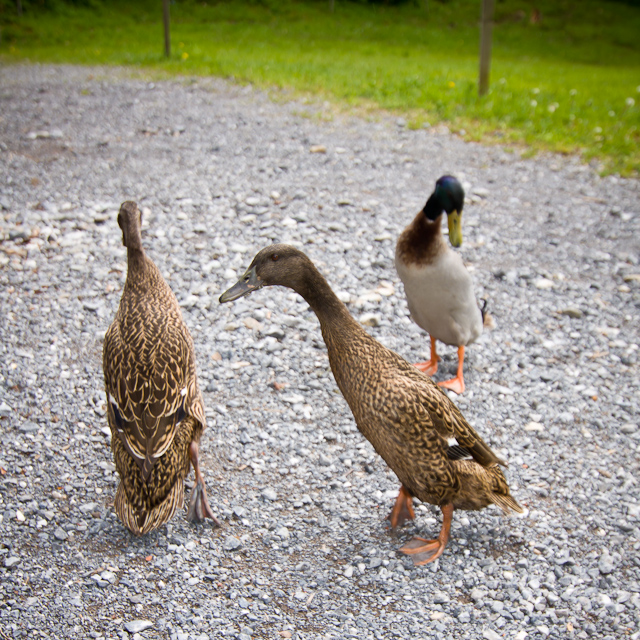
(407, 418)
(155, 408)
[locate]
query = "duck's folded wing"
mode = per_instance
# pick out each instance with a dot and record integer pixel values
(149, 396)
(449, 422)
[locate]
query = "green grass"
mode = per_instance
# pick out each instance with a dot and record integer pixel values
(567, 83)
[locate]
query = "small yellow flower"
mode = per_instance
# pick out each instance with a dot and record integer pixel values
(451, 84)
(185, 55)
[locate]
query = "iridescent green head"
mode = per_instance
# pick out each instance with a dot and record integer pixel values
(448, 197)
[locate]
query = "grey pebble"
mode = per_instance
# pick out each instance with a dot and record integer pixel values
(60, 534)
(606, 564)
(231, 544)
(269, 494)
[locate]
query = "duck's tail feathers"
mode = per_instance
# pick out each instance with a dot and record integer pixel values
(506, 503)
(141, 521)
(488, 322)
(483, 454)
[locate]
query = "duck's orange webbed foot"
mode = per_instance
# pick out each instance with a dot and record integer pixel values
(431, 366)
(424, 551)
(456, 384)
(199, 508)
(402, 509)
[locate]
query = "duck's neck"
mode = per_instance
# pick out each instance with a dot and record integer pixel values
(136, 265)
(314, 288)
(331, 312)
(422, 240)
(132, 240)
(344, 337)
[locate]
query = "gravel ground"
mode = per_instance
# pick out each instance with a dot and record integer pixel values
(305, 551)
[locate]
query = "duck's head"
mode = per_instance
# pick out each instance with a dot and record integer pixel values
(448, 196)
(277, 264)
(130, 221)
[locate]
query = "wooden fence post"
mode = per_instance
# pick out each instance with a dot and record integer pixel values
(167, 34)
(485, 45)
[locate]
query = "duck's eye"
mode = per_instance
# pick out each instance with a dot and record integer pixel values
(275, 256)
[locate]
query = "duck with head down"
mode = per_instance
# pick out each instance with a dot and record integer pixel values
(154, 405)
(437, 285)
(409, 420)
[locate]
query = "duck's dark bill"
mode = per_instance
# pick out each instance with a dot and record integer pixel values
(248, 283)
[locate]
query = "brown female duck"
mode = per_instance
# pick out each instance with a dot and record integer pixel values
(411, 423)
(154, 405)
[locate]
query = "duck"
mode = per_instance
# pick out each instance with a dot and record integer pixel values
(410, 421)
(155, 409)
(437, 285)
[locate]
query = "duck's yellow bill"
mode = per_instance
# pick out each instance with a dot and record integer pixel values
(454, 220)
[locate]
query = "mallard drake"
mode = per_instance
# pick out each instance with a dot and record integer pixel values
(438, 286)
(154, 406)
(409, 420)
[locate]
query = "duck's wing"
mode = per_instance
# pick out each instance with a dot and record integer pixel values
(447, 420)
(151, 387)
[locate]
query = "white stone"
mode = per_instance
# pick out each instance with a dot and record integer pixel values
(369, 320)
(543, 283)
(136, 626)
(490, 634)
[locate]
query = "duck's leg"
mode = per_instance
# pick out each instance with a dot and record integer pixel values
(402, 509)
(431, 366)
(456, 384)
(199, 508)
(425, 551)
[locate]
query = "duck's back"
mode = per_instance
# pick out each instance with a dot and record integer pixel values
(149, 363)
(148, 312)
